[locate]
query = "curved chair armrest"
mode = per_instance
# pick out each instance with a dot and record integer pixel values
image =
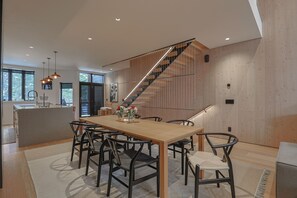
(102, 131)
(77, 122)
(183, 122)
(235, 139)
(131, 142)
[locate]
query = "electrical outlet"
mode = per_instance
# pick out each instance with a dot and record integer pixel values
(229, 129)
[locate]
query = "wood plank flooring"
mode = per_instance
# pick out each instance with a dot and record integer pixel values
(18, 182)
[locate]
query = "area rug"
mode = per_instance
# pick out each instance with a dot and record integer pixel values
(9, 136)
(55, 176)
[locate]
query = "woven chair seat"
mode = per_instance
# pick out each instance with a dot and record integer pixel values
(142, 159)
(207, 161)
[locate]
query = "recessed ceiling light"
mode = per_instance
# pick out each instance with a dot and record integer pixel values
(227, 39)
(110, 69)
(117, 19)
(31, 47)
(90, 38)
(27, 54)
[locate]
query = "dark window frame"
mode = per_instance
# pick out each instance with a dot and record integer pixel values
(61, 88)
(10, 72)
(91, 77)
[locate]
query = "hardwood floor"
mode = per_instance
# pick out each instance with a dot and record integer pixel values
(18, 182)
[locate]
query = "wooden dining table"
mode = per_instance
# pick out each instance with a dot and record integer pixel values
(160, 133)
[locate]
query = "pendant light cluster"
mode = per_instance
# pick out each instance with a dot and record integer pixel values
(54, 75)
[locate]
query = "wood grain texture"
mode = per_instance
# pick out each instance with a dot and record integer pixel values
(18, 182)
(176, 93)
(262, 74)
(146, 129)
(158, 132)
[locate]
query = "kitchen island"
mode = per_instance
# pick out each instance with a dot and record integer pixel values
(35, 125)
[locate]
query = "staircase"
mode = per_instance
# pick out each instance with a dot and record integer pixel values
(162, 65)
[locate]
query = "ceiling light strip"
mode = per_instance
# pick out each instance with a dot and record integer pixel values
(157, 63)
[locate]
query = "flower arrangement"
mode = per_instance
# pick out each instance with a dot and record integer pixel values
(128, 112)
(120, 111)
(132, 110)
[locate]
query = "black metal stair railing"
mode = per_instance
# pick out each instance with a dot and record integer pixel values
(163, 65)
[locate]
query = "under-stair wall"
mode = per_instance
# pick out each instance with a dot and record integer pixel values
(128, 78)
(178, 93)
(181, 90)
(263, 81)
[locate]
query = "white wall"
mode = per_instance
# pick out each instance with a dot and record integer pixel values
(68, 76)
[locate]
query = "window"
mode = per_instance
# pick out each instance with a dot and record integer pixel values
(84, 77)
(97, 78)
(93, 78)
(5, 85)
(16, 84)
(29, 84)
(66, 94)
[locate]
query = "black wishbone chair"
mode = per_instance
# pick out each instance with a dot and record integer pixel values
(79, 139)
(98, 148)
(182, 143)
(154, 118)
(130, 160)
(213, 162)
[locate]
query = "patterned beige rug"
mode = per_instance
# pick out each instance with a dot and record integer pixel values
(55, 176)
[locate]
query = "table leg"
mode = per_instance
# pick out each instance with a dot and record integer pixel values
(201, 148)
(163, 170)
(200, 142)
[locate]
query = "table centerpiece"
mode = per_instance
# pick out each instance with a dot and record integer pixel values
(126, 114)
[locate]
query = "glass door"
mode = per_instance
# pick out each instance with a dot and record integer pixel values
(98, 98)
(91, 98)
(85, 100)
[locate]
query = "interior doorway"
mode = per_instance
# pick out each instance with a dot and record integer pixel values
(91, 98)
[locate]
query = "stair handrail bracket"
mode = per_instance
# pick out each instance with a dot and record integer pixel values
(149, 72)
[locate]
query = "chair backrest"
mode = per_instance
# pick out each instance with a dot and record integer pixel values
(227, 147)
(118, 153)
(102, 134)
(155, 118)
(90, 133)
(76, 126)
(183, 122)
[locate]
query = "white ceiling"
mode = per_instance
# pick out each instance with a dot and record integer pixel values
(65, 25)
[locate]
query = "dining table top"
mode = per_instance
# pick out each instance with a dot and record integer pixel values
(157, 132)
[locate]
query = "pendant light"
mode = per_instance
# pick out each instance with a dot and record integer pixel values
(43, 78)
(55, 75)
(48, 79)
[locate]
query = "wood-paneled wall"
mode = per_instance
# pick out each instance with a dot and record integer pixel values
(128, 78)
(262, 74)
(178, 91)
(181, 97)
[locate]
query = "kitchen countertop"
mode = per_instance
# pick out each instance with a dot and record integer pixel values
(33, 106)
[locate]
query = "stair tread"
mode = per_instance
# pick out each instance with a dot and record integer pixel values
(160, 76)
(172, 54)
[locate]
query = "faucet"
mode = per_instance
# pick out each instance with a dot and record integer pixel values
(35, 96)
(44, 98)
